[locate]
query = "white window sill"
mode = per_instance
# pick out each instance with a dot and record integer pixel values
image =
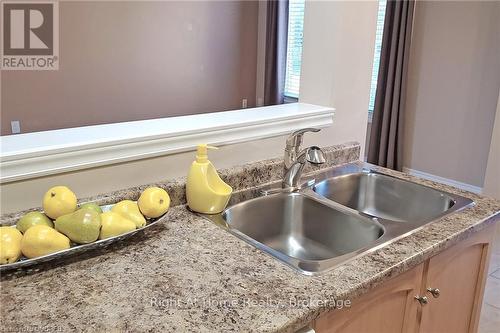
(290, 99)
(31, 155)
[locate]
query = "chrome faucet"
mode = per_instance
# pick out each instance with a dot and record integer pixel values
(295, 159)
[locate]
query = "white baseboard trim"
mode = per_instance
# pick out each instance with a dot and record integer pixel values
(442, 180)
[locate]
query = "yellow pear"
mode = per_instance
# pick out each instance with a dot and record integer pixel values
(113, 224)
(58, 201)
(129, 210)
(154, 202)
(10, 245)
(41, 240)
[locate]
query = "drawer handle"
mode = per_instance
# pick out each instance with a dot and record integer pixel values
(423, 300)
(434, 291)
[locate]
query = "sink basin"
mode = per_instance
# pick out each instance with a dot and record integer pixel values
(386, 197)
(299, 230)
(352, 210)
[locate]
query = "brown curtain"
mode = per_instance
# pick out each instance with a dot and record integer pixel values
(386, 136)
(276, 40)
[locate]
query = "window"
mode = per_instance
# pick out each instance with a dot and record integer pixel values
(376, 60)
(294, 47)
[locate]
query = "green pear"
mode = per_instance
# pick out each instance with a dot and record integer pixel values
(91, 205)
(32, 219)
(82, 226)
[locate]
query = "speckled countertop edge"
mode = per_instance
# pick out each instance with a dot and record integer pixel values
(194, 257)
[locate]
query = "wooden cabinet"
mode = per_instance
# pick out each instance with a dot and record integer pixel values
(389, 308)
(458, 273)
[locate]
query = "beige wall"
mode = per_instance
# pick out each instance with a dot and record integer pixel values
(24, 194)
(122, 61)
(339, 41)
(454, 79)
(349, 30)
(492, 178)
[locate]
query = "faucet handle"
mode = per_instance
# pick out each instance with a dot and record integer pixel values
(315, 155)
(295, 139)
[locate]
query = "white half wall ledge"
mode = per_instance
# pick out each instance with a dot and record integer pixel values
(442, 180)
(31, 155)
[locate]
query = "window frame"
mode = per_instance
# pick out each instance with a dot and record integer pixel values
(382, 5)
(290, 96)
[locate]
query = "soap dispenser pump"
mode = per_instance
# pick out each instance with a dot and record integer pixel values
(206, 192)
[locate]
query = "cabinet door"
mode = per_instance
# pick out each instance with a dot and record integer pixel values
(460, 274)
(389, 308)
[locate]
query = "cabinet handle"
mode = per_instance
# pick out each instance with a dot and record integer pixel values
(434, 291)
(423, 300)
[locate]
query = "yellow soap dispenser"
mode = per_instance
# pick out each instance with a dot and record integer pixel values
(205, 192)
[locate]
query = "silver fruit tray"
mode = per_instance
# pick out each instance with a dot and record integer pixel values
(24, 262)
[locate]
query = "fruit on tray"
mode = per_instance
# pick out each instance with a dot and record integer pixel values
(58, 201)
(154, 202)
(113, 224)
(10, 245)
(41, 240)
(37, 235)
(130, 210)
(91, 205)
(81, 227)
(31, 219)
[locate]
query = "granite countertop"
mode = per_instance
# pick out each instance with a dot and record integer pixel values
(187, 274)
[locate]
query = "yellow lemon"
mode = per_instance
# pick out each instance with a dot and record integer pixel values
(58, 201)
(154, 202)
(129, 210)
(113, 224)
(10, 245)
(40, 240)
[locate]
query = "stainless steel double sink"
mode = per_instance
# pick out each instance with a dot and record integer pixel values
(351, 210)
